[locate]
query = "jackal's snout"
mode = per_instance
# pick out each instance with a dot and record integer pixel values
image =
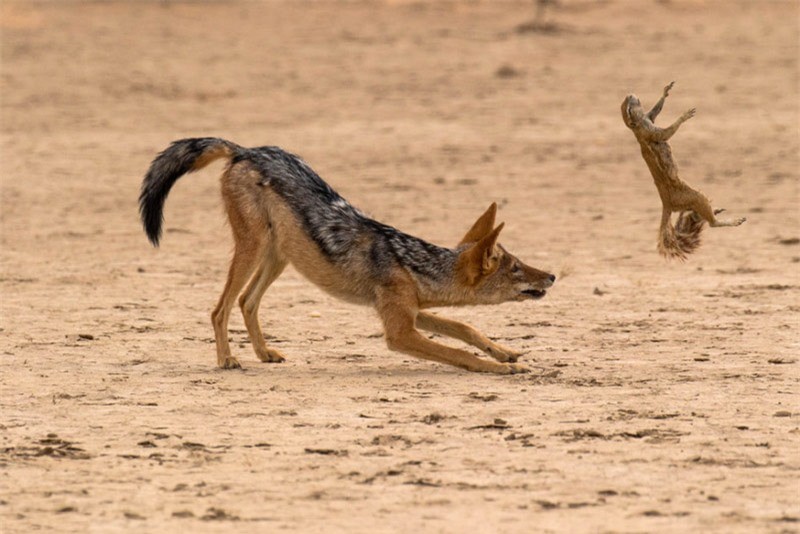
(536, 282)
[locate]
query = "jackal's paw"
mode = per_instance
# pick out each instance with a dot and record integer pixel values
(270, 356)
(503, 354)
(512, 369)
(739, 222)
(229, 362)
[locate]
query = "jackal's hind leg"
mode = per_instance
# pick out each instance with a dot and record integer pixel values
(245, 259)
(467, 334)
(270, 268)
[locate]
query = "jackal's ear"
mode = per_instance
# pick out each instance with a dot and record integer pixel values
(482, 258)
(482, 226)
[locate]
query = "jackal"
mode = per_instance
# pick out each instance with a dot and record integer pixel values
(282, 212)
(676, 195)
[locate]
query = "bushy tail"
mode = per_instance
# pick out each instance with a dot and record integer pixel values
(181, 157)
(688, 228)
(682, 239)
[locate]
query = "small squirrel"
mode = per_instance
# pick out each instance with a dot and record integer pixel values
(676, 195)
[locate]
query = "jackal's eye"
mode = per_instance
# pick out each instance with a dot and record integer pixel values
(515, 267)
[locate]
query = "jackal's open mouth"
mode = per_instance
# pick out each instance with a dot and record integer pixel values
(534, 293)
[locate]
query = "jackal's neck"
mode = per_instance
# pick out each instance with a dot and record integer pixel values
(423, 260)
(447, 288)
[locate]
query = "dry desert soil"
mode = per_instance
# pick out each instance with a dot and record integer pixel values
(663, 396)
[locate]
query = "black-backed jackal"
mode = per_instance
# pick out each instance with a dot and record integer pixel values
(282, 212)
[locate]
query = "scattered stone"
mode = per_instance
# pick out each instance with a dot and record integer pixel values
(182, 514)
(507, 71)
(326, 452)
(433, 418)
(485, 398)
(217, 514)
(423, 482)
(539, 27)
(498, 424)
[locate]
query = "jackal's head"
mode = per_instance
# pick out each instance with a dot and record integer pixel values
(632, 111)
(491, 273)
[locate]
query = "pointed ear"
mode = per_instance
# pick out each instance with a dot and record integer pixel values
(482, 226)
(481, 259)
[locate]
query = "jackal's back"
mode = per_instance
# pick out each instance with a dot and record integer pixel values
(342, 232)
(339, 229)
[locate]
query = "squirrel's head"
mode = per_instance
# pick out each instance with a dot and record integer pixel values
(632, 111)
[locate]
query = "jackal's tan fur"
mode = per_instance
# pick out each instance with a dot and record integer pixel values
(281, 212)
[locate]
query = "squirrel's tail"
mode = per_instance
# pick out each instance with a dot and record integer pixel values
(682, 239)
(688, 228)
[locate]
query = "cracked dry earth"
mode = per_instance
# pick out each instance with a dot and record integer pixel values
(663, 396)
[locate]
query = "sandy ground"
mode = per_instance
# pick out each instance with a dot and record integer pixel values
(663, 397)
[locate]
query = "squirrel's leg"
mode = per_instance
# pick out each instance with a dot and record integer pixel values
(699, 203)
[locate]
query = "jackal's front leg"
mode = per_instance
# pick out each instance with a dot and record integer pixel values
(467, 334)
(408, 340)
(398, 312)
